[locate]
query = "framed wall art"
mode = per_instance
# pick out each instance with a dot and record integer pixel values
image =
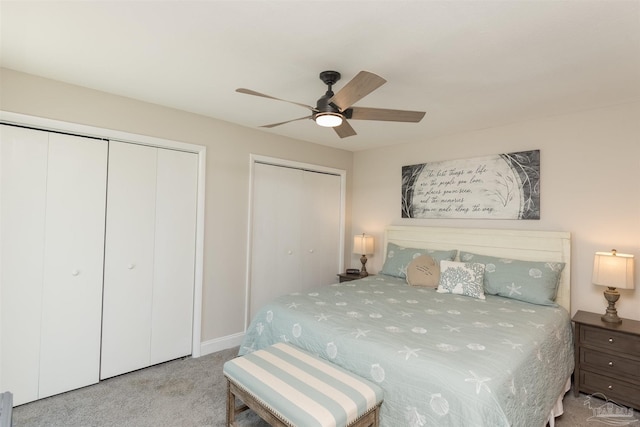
(502, 186)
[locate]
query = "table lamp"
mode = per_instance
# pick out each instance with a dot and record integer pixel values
(615, 271)
(363, 245)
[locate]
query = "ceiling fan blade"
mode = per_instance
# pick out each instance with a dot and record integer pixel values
(360, 86)
(344, 130)
(282, 123)
(383, 114)
(253, 92)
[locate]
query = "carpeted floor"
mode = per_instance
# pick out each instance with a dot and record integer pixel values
(185, 393)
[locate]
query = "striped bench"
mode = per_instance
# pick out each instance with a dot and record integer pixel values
(287, 386)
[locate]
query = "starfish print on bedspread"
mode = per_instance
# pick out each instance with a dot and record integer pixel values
(514, 346)
(322, 317)
(360, 333)
(479, 382)
(408, 352)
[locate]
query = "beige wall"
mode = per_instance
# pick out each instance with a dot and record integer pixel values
(228, 150)
(590, 186)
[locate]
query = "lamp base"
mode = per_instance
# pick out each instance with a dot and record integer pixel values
(363, 270)
(611, 316)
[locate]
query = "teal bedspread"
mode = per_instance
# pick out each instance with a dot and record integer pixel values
(441, 359)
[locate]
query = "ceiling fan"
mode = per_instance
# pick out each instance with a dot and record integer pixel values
(333, 110)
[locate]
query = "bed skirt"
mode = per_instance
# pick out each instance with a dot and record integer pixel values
(558, 408)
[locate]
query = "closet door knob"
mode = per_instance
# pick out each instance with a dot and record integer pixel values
(310, 251)
(131, 266)
(75, 272)
(290, 252)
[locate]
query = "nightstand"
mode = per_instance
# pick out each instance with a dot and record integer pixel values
(607, 358)
(345, 277)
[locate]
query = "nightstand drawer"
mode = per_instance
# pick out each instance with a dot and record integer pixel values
(612, 340)
(607, 363)
(619, 391)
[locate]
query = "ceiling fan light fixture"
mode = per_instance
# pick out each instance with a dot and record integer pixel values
(328, 119)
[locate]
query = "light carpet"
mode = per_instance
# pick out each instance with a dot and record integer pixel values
(187, 393)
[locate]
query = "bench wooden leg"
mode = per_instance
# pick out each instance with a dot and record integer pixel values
(231, 406)
(369, 420)
(232, 409)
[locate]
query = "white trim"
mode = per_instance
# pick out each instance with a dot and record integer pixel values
(115, 135)
(257, 158)
(222, 343)
(196, 343)
(95, 132)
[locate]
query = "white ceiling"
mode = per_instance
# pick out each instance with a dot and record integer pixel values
(468, 64)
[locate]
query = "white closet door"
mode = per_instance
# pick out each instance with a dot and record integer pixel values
(276, 261)
(23, 185)
(53, 201)
(149, 257)
(287, 195)
(321, 236)
(295, 231)
(174, 256)
(129, 247)
(73, 253)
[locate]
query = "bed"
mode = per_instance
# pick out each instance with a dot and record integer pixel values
(446, 356)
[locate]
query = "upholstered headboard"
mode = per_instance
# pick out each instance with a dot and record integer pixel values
(529, 245)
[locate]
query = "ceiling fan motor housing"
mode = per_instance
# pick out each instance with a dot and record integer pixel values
(323, 106)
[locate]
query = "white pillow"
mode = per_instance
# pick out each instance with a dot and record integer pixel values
(462, 278)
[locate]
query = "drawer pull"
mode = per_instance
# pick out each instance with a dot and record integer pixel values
(610, 363)
(611, 340)
(610, 387)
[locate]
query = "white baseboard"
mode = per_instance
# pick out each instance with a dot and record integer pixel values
(222, 343)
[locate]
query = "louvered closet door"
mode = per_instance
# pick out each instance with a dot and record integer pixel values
(149, 257)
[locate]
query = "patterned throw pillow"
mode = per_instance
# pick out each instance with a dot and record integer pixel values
(398, 258)
(423, 271)
(530, 281)
(462, 278)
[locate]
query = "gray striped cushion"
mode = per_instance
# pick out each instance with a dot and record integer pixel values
(302, 389)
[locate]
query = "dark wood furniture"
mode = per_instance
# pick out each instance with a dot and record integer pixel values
(346, 277)
(607, 358)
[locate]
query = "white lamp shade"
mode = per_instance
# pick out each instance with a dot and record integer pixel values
(363, 244)
(613, 269)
